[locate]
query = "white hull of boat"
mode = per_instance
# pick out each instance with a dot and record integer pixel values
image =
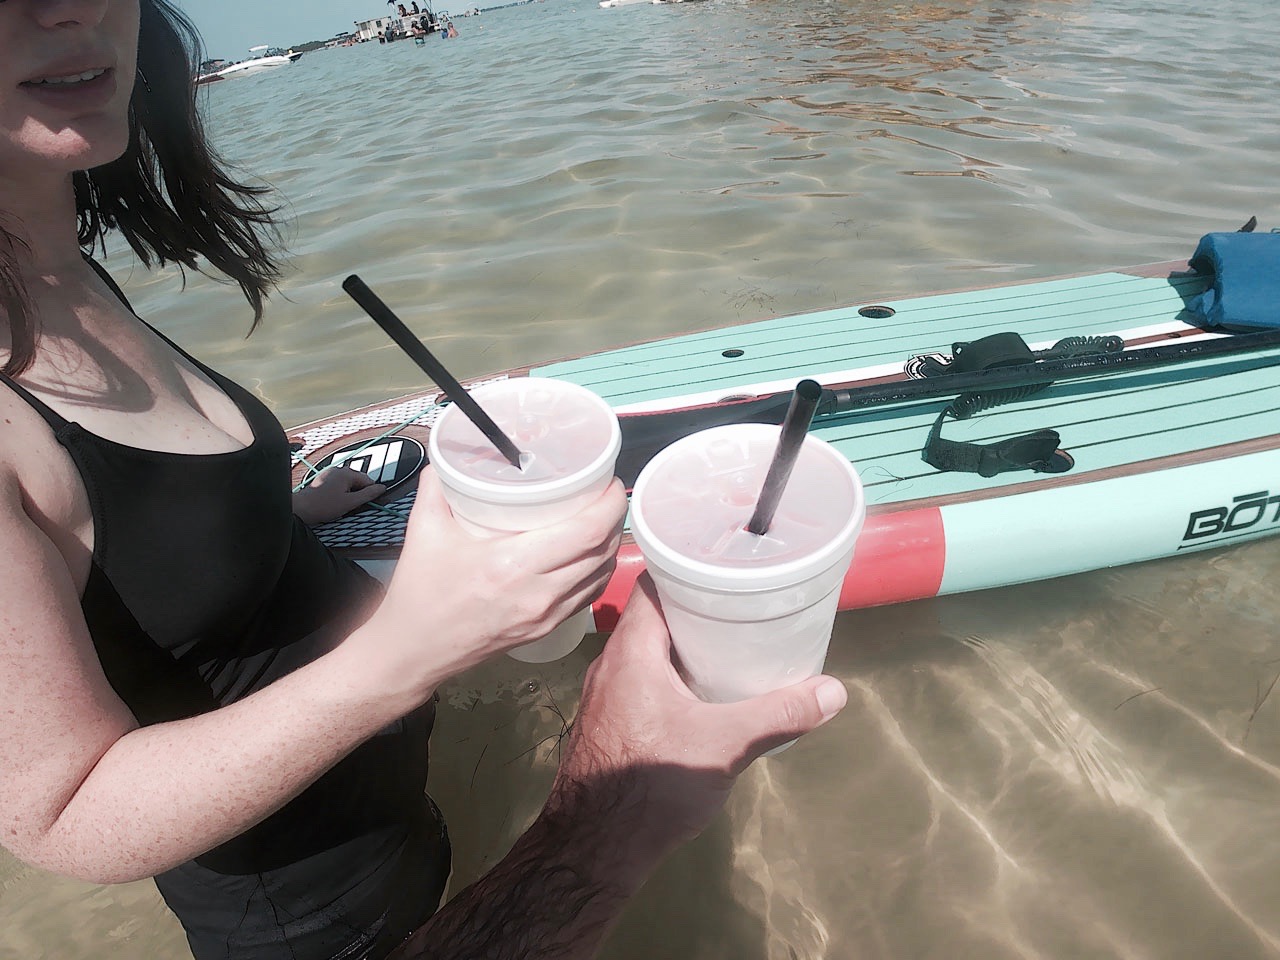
(257, 65)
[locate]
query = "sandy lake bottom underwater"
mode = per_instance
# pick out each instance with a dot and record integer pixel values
(1081, 768)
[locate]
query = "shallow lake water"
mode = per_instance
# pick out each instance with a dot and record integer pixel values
(1082, 768)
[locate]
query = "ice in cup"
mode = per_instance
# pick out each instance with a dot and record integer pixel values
(748, 614)
(569, 439)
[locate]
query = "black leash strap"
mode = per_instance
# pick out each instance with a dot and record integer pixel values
(1036, 451)
(1032, 451)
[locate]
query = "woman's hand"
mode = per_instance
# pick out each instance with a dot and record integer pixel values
(455, 600)
(334, 493)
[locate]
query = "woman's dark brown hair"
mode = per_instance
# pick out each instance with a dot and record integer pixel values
(168, 194)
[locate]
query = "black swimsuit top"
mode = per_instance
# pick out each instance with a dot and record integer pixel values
(204, 587)
(202, 578)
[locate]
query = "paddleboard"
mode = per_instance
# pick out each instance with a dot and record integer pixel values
(1168, 459)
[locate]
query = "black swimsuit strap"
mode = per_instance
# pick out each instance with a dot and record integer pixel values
(56, 421)
(101, 271)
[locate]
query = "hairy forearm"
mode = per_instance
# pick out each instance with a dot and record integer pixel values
(163, 794)
(558, 892)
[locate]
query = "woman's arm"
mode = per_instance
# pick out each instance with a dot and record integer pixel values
(86, 792)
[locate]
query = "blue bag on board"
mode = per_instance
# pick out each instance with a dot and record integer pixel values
(1245, 294)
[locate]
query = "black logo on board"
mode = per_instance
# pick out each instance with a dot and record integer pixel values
(1247, 513)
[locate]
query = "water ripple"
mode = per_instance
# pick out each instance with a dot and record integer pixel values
(1094, 776)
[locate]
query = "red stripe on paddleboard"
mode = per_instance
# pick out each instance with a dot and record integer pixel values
(608, 608)
(900, 556)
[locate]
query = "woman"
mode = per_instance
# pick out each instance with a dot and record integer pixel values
(195, 689)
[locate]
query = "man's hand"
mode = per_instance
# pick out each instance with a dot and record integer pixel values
(335, 493)
(639, 723)
(647, 767)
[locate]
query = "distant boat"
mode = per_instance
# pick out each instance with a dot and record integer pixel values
(207, 72)
(267, 57)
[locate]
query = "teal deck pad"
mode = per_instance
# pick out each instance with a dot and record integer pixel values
(1105, 422)
(842, 339)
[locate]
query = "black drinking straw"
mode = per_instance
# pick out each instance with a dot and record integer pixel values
(794, 427)
(419, 354)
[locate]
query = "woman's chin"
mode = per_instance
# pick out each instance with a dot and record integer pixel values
(69, 151)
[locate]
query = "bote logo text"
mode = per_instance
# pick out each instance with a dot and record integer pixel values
(1245, 512)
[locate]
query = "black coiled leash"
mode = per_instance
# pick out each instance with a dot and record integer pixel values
(1036, 451)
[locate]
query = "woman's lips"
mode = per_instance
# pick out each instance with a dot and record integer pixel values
(74, 91)
(83, 76)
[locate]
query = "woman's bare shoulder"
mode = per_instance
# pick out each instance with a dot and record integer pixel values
(40, 483)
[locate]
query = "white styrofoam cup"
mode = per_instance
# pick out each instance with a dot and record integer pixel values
(569, 438)
(747, 614)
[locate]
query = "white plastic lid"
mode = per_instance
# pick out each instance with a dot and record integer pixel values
(692, 502)
(567, 436)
